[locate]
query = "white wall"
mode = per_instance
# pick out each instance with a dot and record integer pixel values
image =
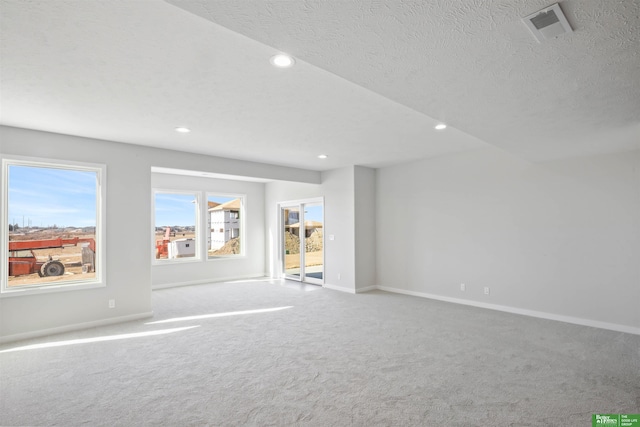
(338, 187)
(365, 227)
(250, 265)
(561, 238)
(128, 225)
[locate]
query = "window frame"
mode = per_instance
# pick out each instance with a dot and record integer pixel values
(99, 281)
(242, 220)
(198, 254)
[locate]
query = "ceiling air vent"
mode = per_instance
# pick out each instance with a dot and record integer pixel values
(547, 23)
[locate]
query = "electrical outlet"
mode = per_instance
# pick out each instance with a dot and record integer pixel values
(339, 276)
(486, 290)
(463, 287)
(112, 303)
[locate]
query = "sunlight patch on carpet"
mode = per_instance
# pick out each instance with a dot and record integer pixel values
(98, 339)
(211, 316)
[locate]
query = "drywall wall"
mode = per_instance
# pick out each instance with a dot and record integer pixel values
(560, 237)
(217, 269)
(339, 215)
(365, 227)
(128, 226)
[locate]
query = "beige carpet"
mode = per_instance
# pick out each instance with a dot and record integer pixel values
(261, 354)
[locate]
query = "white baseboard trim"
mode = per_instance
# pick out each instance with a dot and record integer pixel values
(74, 327)
(367, 289)
(521, 311)
(204, 281)
(339, 288)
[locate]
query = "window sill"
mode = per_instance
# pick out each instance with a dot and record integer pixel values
(46, 289)
(226, 257)
(175, 261)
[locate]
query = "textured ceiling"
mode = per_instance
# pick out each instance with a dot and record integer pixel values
(471, 63)
(371, 80)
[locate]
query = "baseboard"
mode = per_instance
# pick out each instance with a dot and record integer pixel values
(74, 327)
(203, 281)
(339, 288)
(367, 289)
(524, 312)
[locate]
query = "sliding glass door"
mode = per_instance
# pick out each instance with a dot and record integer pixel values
(291, 242)
(303, 241)
(313, 243)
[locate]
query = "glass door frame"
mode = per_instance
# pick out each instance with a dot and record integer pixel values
(299, 205)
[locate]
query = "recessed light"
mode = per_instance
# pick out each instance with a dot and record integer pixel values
(441, 126)
(322, 156)
(281, 60)
(183, 129)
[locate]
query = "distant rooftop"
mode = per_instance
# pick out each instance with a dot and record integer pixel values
(231, 205)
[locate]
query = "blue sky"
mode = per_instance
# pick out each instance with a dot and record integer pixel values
(175, 209)
(48, 196)
(313, 213)
(179, 209)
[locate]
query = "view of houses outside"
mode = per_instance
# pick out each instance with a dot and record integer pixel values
(175, 225)
(224, 225)
(308, 235)
(176, 230)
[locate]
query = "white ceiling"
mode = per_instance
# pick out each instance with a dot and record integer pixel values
(371, 79)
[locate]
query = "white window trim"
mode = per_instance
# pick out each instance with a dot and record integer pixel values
(100, 279)
(243, 226)
(198, 223)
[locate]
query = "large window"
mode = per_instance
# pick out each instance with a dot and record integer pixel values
(52, 225)
(225, 218)
(176, 226)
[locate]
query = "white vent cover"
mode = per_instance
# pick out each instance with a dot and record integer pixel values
(547, 23)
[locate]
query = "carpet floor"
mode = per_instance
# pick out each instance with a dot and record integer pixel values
(260, 353)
